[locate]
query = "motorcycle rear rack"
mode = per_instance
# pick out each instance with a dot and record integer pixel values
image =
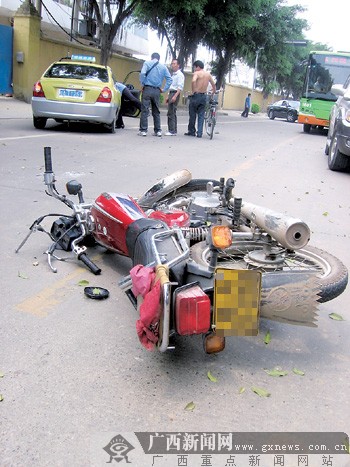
(125, 283)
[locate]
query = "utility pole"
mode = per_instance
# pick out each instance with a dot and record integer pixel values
(256, 66)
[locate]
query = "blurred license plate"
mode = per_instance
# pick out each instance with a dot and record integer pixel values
(71, 93)
(237, 302)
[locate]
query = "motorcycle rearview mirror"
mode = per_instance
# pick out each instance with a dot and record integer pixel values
(75, 188)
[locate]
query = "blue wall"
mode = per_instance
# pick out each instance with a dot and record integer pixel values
(6, 38)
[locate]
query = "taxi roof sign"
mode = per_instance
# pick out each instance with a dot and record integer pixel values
(83, 58)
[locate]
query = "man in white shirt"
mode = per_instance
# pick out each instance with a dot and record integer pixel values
(174, 96)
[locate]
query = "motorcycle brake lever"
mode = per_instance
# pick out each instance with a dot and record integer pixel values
(49, 256)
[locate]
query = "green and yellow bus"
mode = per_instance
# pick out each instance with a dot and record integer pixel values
(323, 70)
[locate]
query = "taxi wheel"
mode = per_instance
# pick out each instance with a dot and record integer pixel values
(39, 122)
(111, 127)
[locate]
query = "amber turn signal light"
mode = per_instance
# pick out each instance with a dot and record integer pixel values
(221, 236)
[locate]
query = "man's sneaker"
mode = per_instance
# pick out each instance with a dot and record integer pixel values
(168, 133)
(142, 133)
(157, 133)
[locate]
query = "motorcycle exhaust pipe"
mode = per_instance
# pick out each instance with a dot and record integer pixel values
(289, 232)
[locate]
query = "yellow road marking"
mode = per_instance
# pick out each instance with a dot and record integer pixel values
(41, 303)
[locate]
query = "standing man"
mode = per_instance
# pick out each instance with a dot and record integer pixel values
(246, 106)
(173, 97)
(152, 76)
(200, 81)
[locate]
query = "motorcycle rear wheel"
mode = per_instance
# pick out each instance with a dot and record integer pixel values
(332, 274)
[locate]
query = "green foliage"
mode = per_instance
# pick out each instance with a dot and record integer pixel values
(176, 22)
(255, 108)
(233, 30)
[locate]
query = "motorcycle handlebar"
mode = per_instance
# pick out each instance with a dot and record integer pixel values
(48, 160)
(90, 264)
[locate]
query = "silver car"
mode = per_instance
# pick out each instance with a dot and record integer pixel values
(76, 89)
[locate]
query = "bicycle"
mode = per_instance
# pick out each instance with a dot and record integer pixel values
(210, 113)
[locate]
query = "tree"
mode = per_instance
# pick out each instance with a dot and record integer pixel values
(228, 25)
(110, 16)
(177, 22)
(278, 60)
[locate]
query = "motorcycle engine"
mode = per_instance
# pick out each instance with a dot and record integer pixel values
(201, 205)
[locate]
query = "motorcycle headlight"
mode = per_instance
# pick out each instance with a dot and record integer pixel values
(221, 236)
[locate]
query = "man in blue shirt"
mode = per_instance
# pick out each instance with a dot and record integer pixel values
(152, 76)
(245, 112)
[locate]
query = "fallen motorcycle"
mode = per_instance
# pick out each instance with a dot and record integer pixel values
(204, 261)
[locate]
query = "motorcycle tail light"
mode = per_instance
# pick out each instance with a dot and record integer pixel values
(38, 90)
(192, 310)
(105, 95)
(221, 236)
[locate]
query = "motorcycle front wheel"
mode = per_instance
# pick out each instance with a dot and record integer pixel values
(331, 272)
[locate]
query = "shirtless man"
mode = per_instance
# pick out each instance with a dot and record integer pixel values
(200, 81)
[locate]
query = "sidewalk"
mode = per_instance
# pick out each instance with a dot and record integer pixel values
(13, 108)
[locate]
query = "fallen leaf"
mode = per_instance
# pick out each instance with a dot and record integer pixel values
(1, 398)
(325, 214)
(276, 372)
(211, 377)
(336, 317)
(96, 291)
(83, 283)
(267, 339)
(22, 276)
(241, 390)
(260, 391)
(1, 375)
(190, 407)
(298, 372)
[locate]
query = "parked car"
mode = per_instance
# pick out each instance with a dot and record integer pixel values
(338, 138)
(284, 109)
(76, 89)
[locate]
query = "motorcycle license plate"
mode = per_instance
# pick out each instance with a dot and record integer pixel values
(237, 302)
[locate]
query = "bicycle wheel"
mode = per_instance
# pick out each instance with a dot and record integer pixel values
(210, 124)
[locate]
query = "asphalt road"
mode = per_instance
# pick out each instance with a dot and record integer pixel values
(73, 369)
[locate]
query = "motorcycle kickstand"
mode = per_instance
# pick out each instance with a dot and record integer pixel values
(33, 228)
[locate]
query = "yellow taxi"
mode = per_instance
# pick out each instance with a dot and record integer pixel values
(76, 89)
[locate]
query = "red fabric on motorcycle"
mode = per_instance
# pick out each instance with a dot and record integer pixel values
(142, 278)
(148, 324)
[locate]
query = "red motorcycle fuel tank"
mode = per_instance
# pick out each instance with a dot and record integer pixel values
(113, 213)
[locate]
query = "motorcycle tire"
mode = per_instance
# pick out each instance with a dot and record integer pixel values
(193, 185)
(332, 276)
